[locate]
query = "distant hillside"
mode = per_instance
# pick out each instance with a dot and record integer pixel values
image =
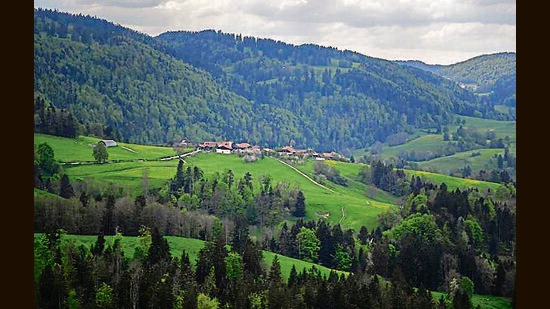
(493, 75)
(343, 99)
(434, 68)
(122, 84)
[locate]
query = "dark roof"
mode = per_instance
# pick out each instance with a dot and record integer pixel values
(108, 142)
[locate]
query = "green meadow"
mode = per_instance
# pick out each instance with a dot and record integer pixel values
(81, 149)
(359, 209)
(352, 206)
(424, 142)
(446, 165)
(429, 142)
(454, 182)
(350, 170)
(192, 247)
(38, 192)
(483, 301)
(129, 174)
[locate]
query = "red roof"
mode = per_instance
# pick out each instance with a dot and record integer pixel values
(208, 144)
(226, 145)
(243, 145)
(288, 149)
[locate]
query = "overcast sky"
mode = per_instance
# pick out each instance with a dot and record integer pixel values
(433, 31)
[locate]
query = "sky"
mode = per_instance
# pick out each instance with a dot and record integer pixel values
(432, 31)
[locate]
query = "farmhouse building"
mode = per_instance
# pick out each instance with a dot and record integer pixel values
(288, 150)
(208, 145)
(223, 149)
(242, 145)
(108, 143)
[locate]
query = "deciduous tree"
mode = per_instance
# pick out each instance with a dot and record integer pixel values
(100, 153)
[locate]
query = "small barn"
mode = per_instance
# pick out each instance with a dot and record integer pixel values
(108, 143)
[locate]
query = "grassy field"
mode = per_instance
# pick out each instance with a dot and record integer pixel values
(454, 182)
(502, 109)
(429, 142)
(38, 192)
(424, 142)
(192, 247)
(483, 301)
(359, 209)
(350, 170)
(502, 128)
(81, 149)
(287, 262)
(447, 164)
(128, 174)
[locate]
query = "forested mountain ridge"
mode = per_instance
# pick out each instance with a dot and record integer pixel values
(122, 84)
(367, 98)
(112, 78)
(493, 75)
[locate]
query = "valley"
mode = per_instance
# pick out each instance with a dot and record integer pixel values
(204, 169)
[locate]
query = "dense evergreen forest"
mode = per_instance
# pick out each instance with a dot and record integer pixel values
(210, 85)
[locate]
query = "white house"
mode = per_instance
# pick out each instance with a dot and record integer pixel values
(223, 149)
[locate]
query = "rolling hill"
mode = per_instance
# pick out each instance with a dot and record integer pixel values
(429, 146)
(348, 205)
(492, 76)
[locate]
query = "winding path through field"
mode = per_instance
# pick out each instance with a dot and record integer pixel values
(180, 156)
(343, 215)
(306, 176)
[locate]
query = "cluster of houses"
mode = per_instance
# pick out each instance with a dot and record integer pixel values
(227, 147)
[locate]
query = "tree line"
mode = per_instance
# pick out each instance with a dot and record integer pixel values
(102, 276)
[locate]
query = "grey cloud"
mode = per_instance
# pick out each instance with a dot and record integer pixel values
(123, 3)
(387, 13)
(432, 31)
(323, 11)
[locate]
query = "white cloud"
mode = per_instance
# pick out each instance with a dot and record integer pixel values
(443, 31)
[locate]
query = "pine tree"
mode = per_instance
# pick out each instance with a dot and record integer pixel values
(240, 235)
(108, 217)
(293, 277)
(363, 235)
(159, 251)
(300, 206)
(65, 187)
(274, 276)
(276, 295)
(99, 246)
(252, 258)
